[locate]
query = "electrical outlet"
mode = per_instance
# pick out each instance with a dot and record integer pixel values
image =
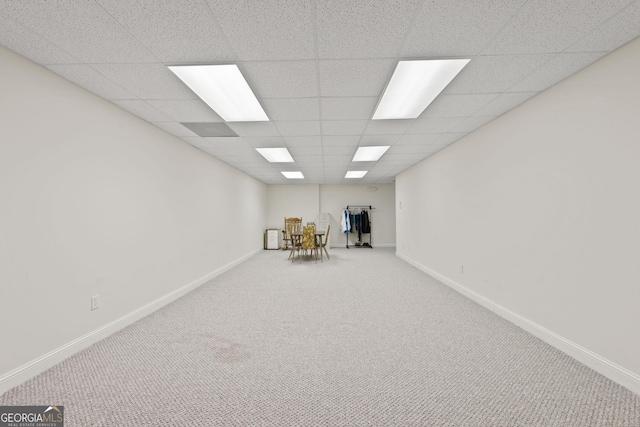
(461, 268)
(95, 302)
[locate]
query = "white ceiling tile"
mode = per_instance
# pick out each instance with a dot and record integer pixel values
(450, 138)
(471, 123)
(336, 166)
(354, 77)
(558, 68)
(292, 108)
(174, 128)
(405, 149)
(298, 128)
(186, 110)
(302, 141)
(617, 31)
(388, 127)
(82, 28)
(505, 102)
(338, 158)
(378, 139)
(146, 81)
(282, 79)
(457, 105)
(355, 108)
(494, 74)
(143, 110)
(418, 139)
(339, 150)
(31, 45)
(309, 160)
(548, 27)
(306, 151)
(347, 140)
(247, 153)
(254, 128)
(362, 165)
(357, 29)
(434, 125)
(224, 141)
(175, 31)
(264, 141)
(397, 158)
(267, 29)
(474, 23)
(88, 78)
(286, 166)
(343, 127)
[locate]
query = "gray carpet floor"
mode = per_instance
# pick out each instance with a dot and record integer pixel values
(363, 339)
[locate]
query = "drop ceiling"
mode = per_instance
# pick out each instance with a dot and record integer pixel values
(317, 67)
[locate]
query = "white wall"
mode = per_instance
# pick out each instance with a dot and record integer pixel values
(299, 200)
(96, 201)
(309, 200)
(542, 207)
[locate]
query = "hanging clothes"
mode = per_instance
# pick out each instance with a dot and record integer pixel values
(352, 221)
(345, 222)
(365, 225)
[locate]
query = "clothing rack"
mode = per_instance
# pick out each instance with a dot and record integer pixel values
(360, 233)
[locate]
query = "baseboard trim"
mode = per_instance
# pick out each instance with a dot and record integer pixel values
(375, 245)
(603, 366)
(31, 369)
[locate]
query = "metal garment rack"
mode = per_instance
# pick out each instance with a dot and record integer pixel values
(369, 207)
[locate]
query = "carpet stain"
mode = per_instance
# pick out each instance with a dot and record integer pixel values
(227, 351)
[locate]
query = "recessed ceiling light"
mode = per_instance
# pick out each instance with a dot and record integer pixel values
(370, 154)
(276, 155)
(293, 175)
(224, 89)
(414, 85)
(355, 174)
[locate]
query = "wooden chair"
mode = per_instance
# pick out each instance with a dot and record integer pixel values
(294, 224)
(309, 240)
(323, 245)
(295, 241)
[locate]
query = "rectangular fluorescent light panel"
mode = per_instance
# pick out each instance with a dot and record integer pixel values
(355, 174)
(370, 154)
(414, 85)
(293, 175)
(224, 89)
(276, 155)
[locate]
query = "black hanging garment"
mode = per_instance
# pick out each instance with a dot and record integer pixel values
(365, 225)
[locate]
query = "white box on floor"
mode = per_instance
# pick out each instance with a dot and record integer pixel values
(272, 238)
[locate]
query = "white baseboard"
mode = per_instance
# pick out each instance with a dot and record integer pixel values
(614, 372)
(375, 245)
(28, 370)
